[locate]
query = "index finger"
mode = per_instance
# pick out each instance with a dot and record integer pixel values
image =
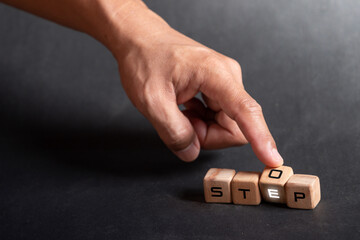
(241, 107)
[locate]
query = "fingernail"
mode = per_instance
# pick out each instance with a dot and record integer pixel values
(189, 154)
(277, 157)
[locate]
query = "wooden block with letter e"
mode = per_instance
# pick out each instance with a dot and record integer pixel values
(217, 185)
(272, 183)
(245, 188)
(303, 191)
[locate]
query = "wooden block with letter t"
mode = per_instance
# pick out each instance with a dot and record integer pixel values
(272, 183)
(245, 188)
(303, 191)
(217, 185)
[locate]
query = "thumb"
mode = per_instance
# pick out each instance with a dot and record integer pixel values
(174, 128)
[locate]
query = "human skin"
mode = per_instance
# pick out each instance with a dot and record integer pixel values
(161, 68)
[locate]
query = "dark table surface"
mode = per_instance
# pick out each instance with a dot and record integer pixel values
(77, 161)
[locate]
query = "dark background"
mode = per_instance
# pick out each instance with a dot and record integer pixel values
(77, 161)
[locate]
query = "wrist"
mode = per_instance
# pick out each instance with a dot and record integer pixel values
(125, 25)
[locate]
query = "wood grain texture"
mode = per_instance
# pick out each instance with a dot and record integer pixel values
(245, 188)
(303, 191)
(217, 185)
(272, 183)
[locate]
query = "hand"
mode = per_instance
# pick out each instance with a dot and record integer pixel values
(160, 69)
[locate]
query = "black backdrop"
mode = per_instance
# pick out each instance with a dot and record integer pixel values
(77, 161)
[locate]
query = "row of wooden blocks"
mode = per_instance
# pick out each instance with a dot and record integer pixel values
(278, 185)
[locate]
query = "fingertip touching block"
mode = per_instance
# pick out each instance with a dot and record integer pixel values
(303, 191)
(272, 183)
(217, 185)
(245, 188)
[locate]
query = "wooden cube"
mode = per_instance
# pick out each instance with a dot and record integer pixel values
(217, 185)
(303, 191)
(245, 188)
(272, 183)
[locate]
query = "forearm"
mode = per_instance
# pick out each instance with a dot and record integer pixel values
(115, 23)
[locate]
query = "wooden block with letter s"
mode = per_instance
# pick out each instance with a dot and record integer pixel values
(217, 185)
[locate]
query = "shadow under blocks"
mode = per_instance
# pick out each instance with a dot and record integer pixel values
(276, 185)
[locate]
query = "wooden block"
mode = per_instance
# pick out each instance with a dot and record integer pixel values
(272, 183)
(245, 188)
(303, 191)
(217, 185)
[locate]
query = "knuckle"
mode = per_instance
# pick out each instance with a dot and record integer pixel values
(214, 64)
(209, 61)
(179, 138)
(222, 67)
(234, 65)
(179, 53)
(252, 107)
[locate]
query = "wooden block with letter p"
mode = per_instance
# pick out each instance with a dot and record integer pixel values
(217, 185)
(303, 191)
(272, 183)
(245, 188)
